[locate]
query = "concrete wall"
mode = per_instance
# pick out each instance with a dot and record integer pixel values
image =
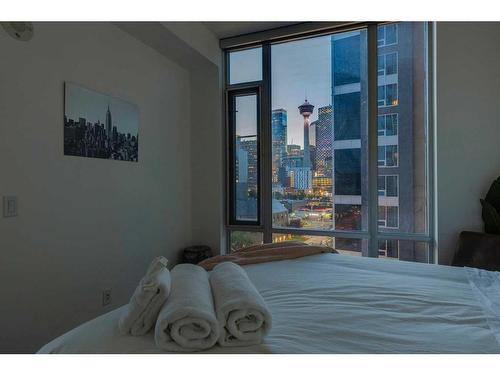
(85, 224)
(468, 126)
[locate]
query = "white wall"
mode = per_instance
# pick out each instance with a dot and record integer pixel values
(85, 224)
(192, 45)
(207, 134)
(468, 126)
(198, 37)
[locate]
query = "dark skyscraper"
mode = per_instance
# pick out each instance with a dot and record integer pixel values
(109, 124)
(279, 140)
(250, 146)
(399, 132)
(324, 139)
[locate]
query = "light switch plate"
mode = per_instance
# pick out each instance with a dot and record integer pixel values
(9, 206)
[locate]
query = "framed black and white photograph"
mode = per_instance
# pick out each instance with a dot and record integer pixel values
(97, 125)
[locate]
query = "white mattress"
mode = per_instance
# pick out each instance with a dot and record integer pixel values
(331, 303)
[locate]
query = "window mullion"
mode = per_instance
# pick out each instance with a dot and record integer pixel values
(372, 141)
(266, 144)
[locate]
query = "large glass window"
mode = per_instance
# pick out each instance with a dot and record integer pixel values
(245, 65)
(318, 102)
(245, 157)
(316, 149)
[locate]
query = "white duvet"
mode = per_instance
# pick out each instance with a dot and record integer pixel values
(332, 303)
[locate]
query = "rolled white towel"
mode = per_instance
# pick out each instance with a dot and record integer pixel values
(243, 316)
(147, 300)
(187, 321)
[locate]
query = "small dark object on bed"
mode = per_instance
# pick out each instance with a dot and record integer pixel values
(478, 250)
(195, 254)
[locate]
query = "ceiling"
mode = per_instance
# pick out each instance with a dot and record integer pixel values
(229, 29)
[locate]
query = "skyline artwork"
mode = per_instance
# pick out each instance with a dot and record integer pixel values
(97, 125)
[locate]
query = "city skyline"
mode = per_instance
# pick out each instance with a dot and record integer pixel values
(291, 85)
(82, 102)
(323, 184)
(94, 128)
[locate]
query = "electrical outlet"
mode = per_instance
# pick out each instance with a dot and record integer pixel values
(106, 297)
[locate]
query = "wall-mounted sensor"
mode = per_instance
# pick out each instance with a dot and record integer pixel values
(19, 30)
(9, 206)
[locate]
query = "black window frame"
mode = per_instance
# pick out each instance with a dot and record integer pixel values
(303, 31)
(231, 103)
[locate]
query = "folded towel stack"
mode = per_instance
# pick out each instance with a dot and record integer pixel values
(187, 321)
(243, 316)
(194, 310)
(147, 300)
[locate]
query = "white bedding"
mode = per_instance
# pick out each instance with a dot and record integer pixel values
(486, 288)
(332, 303)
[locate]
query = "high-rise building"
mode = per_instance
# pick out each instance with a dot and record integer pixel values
(400, 128)
(312, 156)
(250, 146)
(300, 178)
(323, 141)
(109, 123)
(293, 150)
(279, 140)
(241, 164)
(246, 200)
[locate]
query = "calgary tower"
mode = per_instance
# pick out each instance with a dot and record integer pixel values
(306, 110)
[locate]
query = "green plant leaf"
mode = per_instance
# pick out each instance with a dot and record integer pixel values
(491, 218)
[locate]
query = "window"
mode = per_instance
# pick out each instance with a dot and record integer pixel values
(388, 186)
(347, 171)
(347, 59)
(387, 124)
(388, 63)
(317, 154)
(388, 156)
(388, 216)
(388, 95)
(347, 116)
(300, 155)
(348, 246)
(387, 35)
(388, 249)
(245, 65)
(244, 157)
(403, 249)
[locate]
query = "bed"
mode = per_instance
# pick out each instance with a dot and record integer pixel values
(333, 303)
